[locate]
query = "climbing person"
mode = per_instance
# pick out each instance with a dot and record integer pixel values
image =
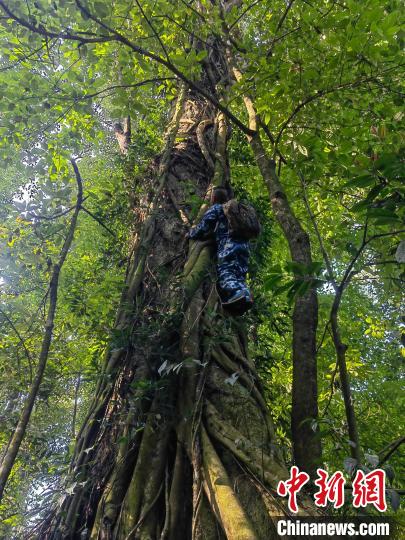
(233, 224)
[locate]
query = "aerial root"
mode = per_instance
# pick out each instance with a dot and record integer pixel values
(147, 475)
(266, 467)
(114, 490)
(195, 251)
(197, 273)
(202, 143)
(246, 381)
(231, 351)
(221, 495)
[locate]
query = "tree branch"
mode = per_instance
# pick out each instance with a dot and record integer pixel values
(279, 25)
(318, 234)
(387, 452)
(348, 273)
(153, 29)
(48, 33)
(168, 64)
(98, 221)
(248, 8)
(116, 36)
(271, 139)
(25, 415)
(135, 85)
(322, 93)
(17, 333)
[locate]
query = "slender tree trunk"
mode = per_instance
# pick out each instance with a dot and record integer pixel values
(14, 445)
(340, 347)
(306, 439)
(75, 404)
(178, 443)
(344, 378)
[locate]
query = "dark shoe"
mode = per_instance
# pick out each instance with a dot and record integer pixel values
(235, 298)
(239, 307)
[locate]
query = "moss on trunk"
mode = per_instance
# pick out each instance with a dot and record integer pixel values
(170, 449)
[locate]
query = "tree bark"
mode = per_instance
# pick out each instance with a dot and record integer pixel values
(305, 433)
(344, 378)
(173, 447)
(340, 347)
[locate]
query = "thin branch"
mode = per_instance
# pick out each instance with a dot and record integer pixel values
(189, 6)
(168, 64)
(322, 93)
(271, 138)
(317, 232)
(24, 57)
(136, 85)
(276, 39)
(58, 35)
(152, 28)
(323, 337)
(348, 273)
(382, 235)
(189, 32)
(116, 36)
(51, 218)
(98, 221)
(279, 25)
(387, 452)
(332, 382)
(17, 333)
(376, 263)
(244, 13)
(95, 94)
(25, 415)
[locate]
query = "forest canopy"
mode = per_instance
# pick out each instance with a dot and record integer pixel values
(119, 369)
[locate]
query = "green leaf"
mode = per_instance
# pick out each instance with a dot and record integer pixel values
(372, 194)
(140, 107)
(284, 287)
(304, 287)
(351, 248)
(296, 268)
(302, 149)
(201, 55)
(271, 280)
(360, 206)
(315, 267)
(381, 212)
(361, 181)
(386, 221)
(101, 9)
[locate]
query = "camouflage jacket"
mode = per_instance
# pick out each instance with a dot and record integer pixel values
(228, 249)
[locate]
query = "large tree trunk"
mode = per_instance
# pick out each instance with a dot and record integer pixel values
(178, 442)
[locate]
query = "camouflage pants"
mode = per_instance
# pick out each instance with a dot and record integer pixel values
(232, 272)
